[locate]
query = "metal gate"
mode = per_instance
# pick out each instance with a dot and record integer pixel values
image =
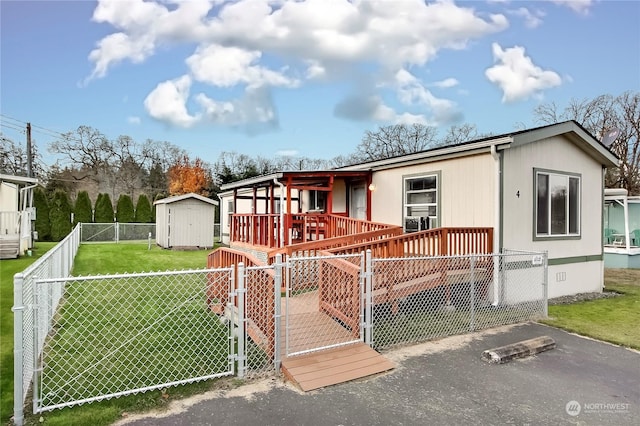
(323, 302)
(121, 334)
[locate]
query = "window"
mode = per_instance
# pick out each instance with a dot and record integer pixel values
(317, 200)
(229, 212)
(420, 202)
(557, 204)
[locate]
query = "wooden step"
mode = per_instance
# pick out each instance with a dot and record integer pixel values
(337, 365)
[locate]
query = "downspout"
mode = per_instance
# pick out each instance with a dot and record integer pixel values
(497, 288)
(26, 223)
(277, 182)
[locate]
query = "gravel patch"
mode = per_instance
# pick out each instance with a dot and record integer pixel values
(581, 297)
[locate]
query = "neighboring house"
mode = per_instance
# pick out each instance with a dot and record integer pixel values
(16, 214)
(621, 229)
(539, 189)
(185, 221)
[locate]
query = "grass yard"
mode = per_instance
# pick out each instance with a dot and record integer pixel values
(614, 320)
(8, 268)
(97, 302)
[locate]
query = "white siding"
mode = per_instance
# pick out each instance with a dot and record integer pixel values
(557, 154)
(466, 191)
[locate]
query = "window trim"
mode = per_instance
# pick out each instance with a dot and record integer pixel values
(438, 175)
(549, 237)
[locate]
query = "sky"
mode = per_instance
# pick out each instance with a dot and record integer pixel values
(304, 78)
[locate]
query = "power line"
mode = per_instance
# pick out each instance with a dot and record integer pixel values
(12, 126)
(35, 127)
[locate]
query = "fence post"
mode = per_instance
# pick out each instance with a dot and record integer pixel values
(545, 282)
(368, 317)
(117, 232)
(240, 293)
(18, 349)
(472, 321)
(278, 312)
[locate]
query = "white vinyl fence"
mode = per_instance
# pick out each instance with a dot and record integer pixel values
(106, 336)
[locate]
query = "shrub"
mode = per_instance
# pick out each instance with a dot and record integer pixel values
(143, 210)
(43, 225)
(60, 215)
(104, 209)
(124, 209)
(83, 213)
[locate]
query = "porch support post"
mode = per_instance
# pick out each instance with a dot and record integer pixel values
(330, 196)
(288, 221)
(368, 191)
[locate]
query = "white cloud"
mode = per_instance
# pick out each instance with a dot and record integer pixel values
(517, 75)
(230, 66)
(581, 7)
(253, 113)
(319, 39)
(411, 91)
(531, 19)
(446, 83)
(287, 152)
(167, 102)
(133, 120)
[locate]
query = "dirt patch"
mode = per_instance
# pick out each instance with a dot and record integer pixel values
(622, 276)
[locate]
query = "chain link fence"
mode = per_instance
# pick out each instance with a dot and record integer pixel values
(122, 334)
(117, 232)
(92, 338)
(55, 263)
(417, 299)
(323, 304)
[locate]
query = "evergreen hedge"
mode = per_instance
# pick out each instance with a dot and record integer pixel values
(83, 212)
(43, 225)
(104, 209)
(143, 210)
(60, 215)
(124, 209)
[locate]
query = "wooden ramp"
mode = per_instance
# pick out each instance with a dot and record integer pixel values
(332, 366)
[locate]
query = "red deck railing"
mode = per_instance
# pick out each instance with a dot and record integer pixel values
(264, 229)
(259, 301)
(433, 242)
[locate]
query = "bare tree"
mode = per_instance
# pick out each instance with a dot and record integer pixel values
(394, 140)
(462, 133)
(13, 159)
(599, 116)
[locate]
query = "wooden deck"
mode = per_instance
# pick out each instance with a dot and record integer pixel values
(310, 329)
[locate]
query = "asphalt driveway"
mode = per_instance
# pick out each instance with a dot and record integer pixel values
(445, 382)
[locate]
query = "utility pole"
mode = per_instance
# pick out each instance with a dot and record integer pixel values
(29, 161)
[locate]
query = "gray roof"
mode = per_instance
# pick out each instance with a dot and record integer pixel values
(177, 198)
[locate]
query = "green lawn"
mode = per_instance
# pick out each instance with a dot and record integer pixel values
(98, 259)
(8, 268)
(614, 320)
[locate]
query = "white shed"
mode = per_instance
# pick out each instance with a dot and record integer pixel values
(185, 221)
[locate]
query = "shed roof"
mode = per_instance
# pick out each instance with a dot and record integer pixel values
(177, 198)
